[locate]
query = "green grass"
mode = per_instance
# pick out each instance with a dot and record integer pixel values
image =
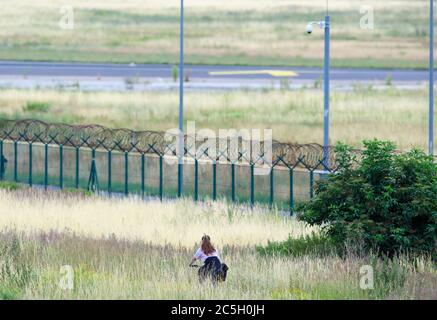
(36, 107)
(29, 54)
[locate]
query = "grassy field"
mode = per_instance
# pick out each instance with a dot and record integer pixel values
(260, 32)
(135, 250)
(294, 116)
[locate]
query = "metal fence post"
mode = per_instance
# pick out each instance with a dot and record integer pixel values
(234, 192)
(233, 195)
(214, 181)
(93, 181)
(2, 163)
(252, 185)
(15, 161)
(196, 180)
(109, 172)
(311, 184)
(143, 169)
(161, 178)
(77, 168)
(272, 190)
(46, 165)
(30, 164)
(126, 173)
(61, 166)
(291, 192)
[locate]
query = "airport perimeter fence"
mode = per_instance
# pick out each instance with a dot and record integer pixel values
(121, 161)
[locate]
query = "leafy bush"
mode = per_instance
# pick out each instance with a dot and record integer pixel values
(386, 200)
(304, 245)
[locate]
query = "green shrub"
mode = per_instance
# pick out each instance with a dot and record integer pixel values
(304, 245)
(386, 200)
(34, 106)
(10, 186)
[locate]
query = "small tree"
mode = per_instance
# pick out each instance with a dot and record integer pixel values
(384, 199)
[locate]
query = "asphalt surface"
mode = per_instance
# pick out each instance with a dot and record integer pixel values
(216, 73)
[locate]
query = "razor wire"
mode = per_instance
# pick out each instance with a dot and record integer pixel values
(310, 156)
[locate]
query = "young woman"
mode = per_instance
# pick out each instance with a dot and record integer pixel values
(212, 266)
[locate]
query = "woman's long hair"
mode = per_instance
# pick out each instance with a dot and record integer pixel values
(206, 245)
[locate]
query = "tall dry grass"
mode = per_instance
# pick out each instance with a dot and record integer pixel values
(177, 223)
(128, 249)
(294, 116)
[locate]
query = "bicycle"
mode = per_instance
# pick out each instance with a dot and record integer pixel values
(204, 274)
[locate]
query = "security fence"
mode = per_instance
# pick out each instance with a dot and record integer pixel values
(145, 163)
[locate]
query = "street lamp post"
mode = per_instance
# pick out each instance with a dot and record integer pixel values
(326, 89)
(180, 140)
(326, 24)
(431, 79)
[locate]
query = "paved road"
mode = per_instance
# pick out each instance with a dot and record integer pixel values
(217, 73)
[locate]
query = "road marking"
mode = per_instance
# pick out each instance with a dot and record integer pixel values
(273, 73)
